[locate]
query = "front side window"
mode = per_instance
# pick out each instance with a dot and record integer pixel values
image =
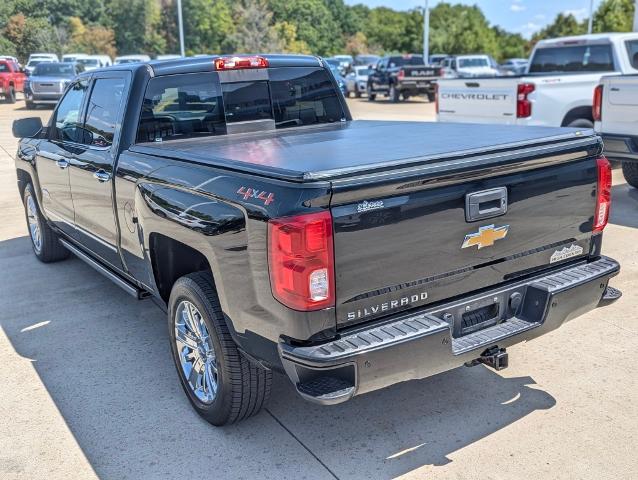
(67, 125)
(581, 58)
(4, 67)
(632, 51)
(103, 111)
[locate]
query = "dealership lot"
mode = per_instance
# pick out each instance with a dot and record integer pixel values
(87, 388)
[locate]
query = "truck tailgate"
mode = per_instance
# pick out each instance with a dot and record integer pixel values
(408, 242)
(487, 100)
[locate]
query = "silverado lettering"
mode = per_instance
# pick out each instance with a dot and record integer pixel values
(286, 288)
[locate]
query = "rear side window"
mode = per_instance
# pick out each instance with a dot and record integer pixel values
(181, 106)
(632, 51)
(4, 67)
(103, 111)
(581, 58)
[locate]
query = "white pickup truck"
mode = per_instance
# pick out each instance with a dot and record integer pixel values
(616, 114)
(556, 90)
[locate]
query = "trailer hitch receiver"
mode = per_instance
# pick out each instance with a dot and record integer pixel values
(492, 357)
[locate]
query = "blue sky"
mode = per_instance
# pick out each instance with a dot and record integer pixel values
(522, 16)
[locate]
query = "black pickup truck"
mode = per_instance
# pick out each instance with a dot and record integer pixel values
(403, 76)
(280, 235)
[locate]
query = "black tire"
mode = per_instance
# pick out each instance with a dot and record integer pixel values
(630, 172)
(371, 96)
(395, 95)
(29, 105)
(581, 123)
(357, 94)
(431, 97)
(242, 386)
(10, 96)
(48, 249)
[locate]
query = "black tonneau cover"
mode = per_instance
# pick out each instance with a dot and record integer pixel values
(337, 150)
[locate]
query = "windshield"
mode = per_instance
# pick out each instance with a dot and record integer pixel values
(54, 70)
(33, 63)
(363, 71)
(195, 105)
(578, 58)
(127, 60)
(89, 62)
(473, 62)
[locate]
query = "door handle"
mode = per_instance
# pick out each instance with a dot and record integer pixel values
(102, 176)
(62, 163)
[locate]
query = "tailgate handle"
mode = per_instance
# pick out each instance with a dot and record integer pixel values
(485, 204)
(472, 84)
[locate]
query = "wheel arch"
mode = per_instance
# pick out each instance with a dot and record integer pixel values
(582, 111)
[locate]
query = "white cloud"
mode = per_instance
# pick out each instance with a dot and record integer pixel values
(517, 7)
(540, 16)
(528, 29)
(579, 13)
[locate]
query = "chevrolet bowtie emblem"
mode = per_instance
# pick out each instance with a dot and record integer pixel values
(486, 236)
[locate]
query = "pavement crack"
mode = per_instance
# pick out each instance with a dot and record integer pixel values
(302, 444)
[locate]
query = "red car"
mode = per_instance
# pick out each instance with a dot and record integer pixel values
(11, 80)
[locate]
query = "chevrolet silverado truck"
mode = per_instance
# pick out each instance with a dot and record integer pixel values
(555, 91)
(280, 235)
(11, 80)
(402, 76)
(615, 111)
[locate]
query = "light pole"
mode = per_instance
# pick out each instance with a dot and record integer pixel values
(180, 24)
(590, 25)
(426, 33)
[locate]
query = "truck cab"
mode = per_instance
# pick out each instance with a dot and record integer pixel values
(12, 79)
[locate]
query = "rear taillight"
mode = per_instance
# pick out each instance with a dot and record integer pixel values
(301, 261)
(597, 108)
(401, 75)
(240, 63)
(436, 98)
(523, 105)
(603, 198)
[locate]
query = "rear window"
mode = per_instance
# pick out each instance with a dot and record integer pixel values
(406, 60)
(473, 62)
(632, 51)
(578, 58)
(197, 104)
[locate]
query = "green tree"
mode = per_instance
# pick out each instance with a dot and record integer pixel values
(136, 26)
(289, 42)
(562, 26)
(511, 45)
(614, 16)
(208, 26)
(456, 29)
(255, 32)
(314, 21)
(31, 35)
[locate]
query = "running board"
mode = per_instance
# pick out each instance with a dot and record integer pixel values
(125, 285)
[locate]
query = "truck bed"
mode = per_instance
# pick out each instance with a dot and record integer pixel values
(337, 150)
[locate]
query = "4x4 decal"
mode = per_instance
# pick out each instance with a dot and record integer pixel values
(266, 197)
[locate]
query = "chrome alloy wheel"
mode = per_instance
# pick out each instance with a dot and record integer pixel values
(34, 224)
(196, 352)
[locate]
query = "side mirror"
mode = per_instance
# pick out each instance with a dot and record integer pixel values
(27, 127)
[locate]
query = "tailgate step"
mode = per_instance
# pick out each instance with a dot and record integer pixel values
(491, 335)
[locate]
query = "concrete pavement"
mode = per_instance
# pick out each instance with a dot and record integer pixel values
(87, 387)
